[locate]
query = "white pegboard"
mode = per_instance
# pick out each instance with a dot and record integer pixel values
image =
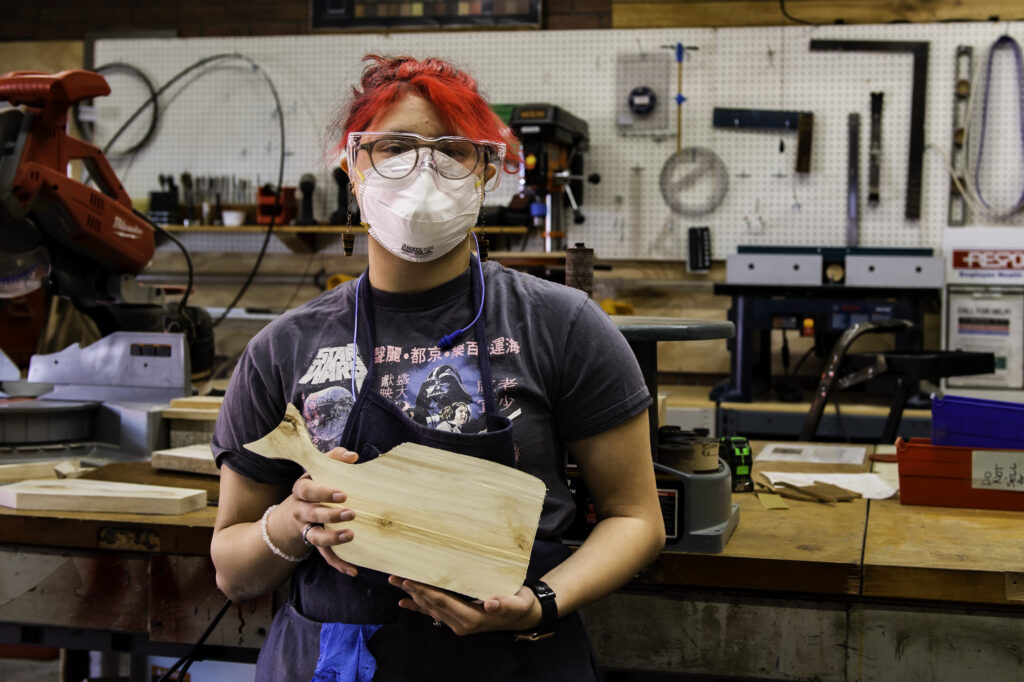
(223, 122)
(642, 80)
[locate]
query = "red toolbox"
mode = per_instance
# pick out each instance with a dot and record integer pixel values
(948, 476)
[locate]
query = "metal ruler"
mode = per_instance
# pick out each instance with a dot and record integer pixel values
(853, 180)
(958, 210)
(875, 168)
(918, 97)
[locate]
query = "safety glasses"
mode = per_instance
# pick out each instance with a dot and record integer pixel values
(390, 156)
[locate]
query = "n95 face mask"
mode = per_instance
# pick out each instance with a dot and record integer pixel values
(422, 216)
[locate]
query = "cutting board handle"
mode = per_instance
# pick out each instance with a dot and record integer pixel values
(291, 441)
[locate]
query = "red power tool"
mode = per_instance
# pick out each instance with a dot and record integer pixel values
(92, 237)
(72, 239)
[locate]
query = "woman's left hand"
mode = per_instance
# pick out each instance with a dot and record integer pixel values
(520, 611)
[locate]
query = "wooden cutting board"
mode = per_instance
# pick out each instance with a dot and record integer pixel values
(456, 522)
(19, 472)
(143, 473)
(194, 459)
(86, 495)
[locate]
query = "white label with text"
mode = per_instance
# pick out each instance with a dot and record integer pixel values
(997, 470)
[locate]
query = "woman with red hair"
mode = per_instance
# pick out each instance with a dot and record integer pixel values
(426, 330)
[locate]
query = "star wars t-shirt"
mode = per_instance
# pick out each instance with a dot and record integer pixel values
(561, 372)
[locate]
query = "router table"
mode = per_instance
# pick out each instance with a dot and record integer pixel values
(858, 590)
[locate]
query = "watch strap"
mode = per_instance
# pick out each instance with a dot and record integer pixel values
(548, 613)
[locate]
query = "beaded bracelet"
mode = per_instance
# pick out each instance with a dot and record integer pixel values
(274, 548)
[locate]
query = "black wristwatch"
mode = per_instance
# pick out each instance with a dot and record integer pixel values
(548, 613)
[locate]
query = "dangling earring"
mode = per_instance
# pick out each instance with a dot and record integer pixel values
(347, 238)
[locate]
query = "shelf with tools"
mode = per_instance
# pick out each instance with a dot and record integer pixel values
(312, 238)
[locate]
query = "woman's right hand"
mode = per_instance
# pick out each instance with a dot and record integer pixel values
(310, 511)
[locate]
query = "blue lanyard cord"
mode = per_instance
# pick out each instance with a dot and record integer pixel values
(1004, 41)
(355, 338)
(448, 340)
(445, 343)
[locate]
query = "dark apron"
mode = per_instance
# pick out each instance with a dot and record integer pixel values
(408, 646)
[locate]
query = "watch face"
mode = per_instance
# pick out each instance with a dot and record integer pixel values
(542, 591)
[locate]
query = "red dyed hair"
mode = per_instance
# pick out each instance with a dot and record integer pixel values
(453, 93)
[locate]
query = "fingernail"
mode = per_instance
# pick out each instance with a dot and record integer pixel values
(345, 535)
(347, 515)
(338, 497)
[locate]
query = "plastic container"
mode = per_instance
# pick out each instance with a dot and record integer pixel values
(976, 422)
(947, 476)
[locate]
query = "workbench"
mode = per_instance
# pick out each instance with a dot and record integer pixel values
(855, 420)
(853, 591)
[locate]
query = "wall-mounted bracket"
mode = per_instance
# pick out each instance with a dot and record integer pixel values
(801, 122)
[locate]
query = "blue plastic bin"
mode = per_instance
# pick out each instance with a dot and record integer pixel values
(974, 422)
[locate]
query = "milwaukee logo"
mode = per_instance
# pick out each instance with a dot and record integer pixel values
(126, 230)
(988, 259)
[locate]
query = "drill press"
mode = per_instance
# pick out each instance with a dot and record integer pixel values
(553, 144)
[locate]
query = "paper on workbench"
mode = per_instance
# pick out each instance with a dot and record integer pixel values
(870, 486)
(804, 452)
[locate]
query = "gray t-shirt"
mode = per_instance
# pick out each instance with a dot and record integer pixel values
(560, 368)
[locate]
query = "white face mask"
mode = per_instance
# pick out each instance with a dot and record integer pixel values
(423, 216)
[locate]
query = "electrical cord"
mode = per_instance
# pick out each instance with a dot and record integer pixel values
(87, 133)
(188, 261)
(800, 362)
(839, 421)
(181, 74)
(787, 386)
(782, 8)
(298, 287)
(280, 170)
(189, 658)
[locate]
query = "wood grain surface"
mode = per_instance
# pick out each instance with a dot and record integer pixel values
(19, 472)
(143, 472)
(193, 459)
(809, 547)
(100, 496)
(944, 553)
(456, 522)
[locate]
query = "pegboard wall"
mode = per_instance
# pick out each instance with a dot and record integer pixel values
(222, 121)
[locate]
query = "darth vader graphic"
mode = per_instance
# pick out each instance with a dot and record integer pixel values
(444, 402)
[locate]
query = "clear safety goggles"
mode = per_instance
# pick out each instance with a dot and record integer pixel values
(390, 158)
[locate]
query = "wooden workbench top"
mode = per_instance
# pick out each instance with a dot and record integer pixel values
(905, 551)
(169, 534)
(806, 548)
(944, 553)
(166, 533)
(698, 397)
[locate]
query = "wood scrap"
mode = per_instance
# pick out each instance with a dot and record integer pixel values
(26, 470)
(456, 522)
(195, 459)
(189, 413)
(79, 494)
(801, 493)
(198, 402)
(143, 472)
(71, 469)
(771, 500)
(836, 492)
